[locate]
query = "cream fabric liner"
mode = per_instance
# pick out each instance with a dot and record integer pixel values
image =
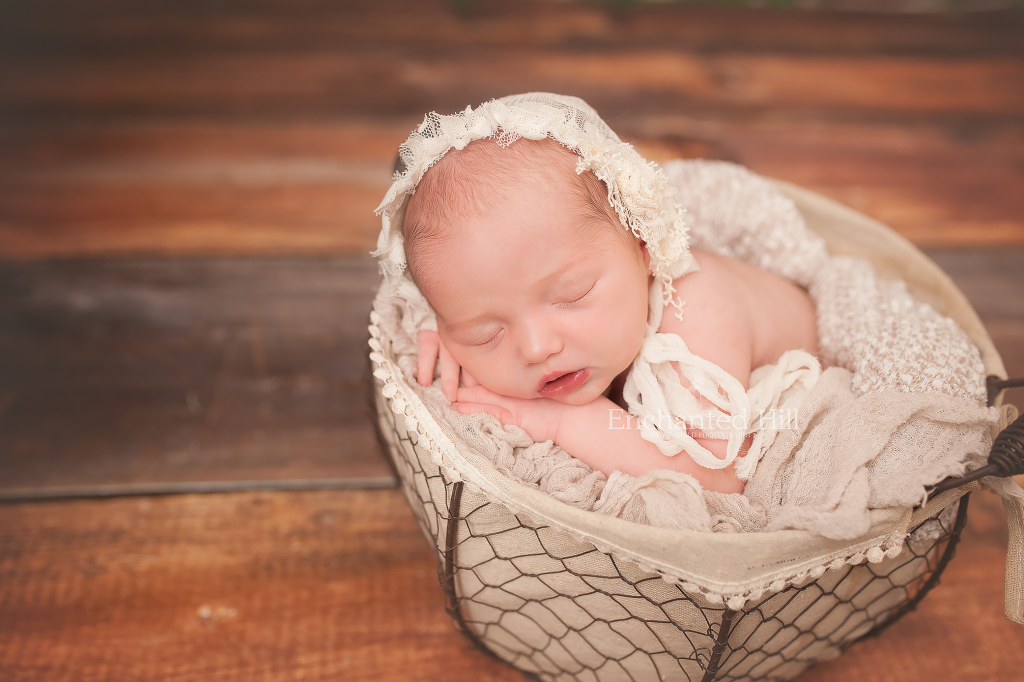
(738, 567)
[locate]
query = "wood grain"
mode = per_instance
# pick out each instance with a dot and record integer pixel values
(340, 585)
(390, 83)
(114, 26)
(145, 128)
(250, 586)
(163, 373)
(309, 188)
(936, 186)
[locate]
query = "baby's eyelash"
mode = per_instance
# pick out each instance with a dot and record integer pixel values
(490, 340)
(577, 300)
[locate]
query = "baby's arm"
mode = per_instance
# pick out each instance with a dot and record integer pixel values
(600, 433)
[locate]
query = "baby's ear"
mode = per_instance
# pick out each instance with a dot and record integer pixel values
(647, 256)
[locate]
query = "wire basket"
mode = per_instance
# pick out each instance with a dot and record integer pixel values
(572, 603)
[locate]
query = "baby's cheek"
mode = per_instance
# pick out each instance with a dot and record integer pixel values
(493, 373)
(626, 328)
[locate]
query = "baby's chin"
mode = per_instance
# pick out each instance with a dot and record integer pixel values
(574, 399)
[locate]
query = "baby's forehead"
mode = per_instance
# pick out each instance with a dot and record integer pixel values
(487, 163)
(484, 177)
(462, 196)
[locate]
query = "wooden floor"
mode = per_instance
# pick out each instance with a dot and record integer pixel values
(186, 204)
(340, 586)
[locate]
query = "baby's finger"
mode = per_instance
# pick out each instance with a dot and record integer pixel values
(499, 413)
(430, 343)
(449, 375)
(468, 380)
(479, 394)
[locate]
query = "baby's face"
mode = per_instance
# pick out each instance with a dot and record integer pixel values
(534, 302)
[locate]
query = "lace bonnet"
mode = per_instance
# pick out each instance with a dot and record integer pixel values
(637, 189)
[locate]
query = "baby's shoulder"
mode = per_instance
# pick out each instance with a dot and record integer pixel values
(712, 270)
(732, 306)
(710, 294)
(715, 323)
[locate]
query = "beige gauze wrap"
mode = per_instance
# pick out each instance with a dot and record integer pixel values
(901, 405)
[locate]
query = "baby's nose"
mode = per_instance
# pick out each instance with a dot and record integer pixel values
(539, 342)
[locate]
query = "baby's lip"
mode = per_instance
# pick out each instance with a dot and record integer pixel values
(562, 383)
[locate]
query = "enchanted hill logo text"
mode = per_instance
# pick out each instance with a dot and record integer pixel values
(708, 425)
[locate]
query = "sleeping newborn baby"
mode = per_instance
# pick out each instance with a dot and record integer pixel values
(543, 300)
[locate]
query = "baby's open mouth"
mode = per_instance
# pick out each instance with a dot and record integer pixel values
(564, 384)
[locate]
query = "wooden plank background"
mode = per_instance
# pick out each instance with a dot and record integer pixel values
(148, 375)
(259, 128)
(186, 198)
(332, 586)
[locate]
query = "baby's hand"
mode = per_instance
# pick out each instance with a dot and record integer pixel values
(430, 348)
(539, 417)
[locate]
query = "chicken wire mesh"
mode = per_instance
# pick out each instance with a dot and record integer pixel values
(559, 609)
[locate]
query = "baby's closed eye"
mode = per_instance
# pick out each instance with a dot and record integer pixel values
(489, 338)
(578, 296)
(478, 336)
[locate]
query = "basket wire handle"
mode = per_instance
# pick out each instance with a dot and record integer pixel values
(995, 385)
(1005, 459)
(1007, 455)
